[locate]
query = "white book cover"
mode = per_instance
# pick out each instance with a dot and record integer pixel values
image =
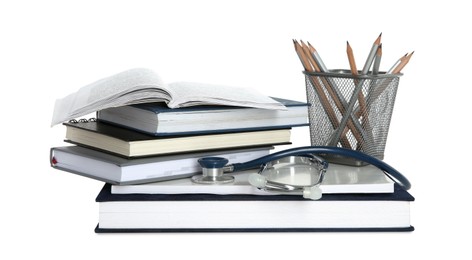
(338, 179)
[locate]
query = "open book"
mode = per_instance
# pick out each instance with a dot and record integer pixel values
(143, 86)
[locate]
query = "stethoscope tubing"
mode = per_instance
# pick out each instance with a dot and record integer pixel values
(298, 151)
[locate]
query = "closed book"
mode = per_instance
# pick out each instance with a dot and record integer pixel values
(252, 213)
(159, 119)
(129, 143)
(337, 179)
(123, 171)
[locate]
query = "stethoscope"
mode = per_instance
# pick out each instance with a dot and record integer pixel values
(287, 163)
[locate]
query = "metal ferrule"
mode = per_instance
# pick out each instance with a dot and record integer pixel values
(228, 168)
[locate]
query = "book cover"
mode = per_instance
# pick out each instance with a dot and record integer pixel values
(338, 179)
(158, 119)
(122, 171)
(252, 213)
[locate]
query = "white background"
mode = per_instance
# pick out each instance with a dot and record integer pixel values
(49, 49)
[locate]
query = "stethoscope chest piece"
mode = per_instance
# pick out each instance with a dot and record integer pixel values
(212, 171)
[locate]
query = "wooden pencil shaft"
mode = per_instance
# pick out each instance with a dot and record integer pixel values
(390, 71)
(309, 56)
(351, 59)
(402, 64)
(301, 56)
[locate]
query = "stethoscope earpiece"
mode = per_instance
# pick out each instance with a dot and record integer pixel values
(257, 180)
(313, 193)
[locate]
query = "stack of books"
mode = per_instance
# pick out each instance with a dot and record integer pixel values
(146, 153)
(150, 142)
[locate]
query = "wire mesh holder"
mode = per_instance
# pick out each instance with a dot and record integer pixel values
(349, 111)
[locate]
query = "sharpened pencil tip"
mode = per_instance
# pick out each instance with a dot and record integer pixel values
(409, 56)
(312, 49)
(377, 41)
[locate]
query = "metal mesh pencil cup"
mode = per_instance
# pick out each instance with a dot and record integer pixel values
(349, 111)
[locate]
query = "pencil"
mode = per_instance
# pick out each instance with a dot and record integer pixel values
(301, 56)
(396, 63)
(352, 61)
(310, 57)
(362, 103)
(371, 56)
(319, 90)
(317, 58)
(378, 57)
(403, 63)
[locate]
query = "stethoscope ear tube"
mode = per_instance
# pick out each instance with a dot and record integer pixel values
(390, 171)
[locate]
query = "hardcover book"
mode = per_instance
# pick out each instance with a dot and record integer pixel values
(129, 143)
(338, 179)
(122, 171)
(158, 119)
(252, 213)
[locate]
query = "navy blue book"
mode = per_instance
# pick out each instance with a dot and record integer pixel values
(160, 120)
(253, 213)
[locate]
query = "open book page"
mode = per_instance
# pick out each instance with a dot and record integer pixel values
(128, 87)
(143, 85)
(192, 94)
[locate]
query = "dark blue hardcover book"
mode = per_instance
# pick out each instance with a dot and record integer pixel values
(157, 119)
(253, 213)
